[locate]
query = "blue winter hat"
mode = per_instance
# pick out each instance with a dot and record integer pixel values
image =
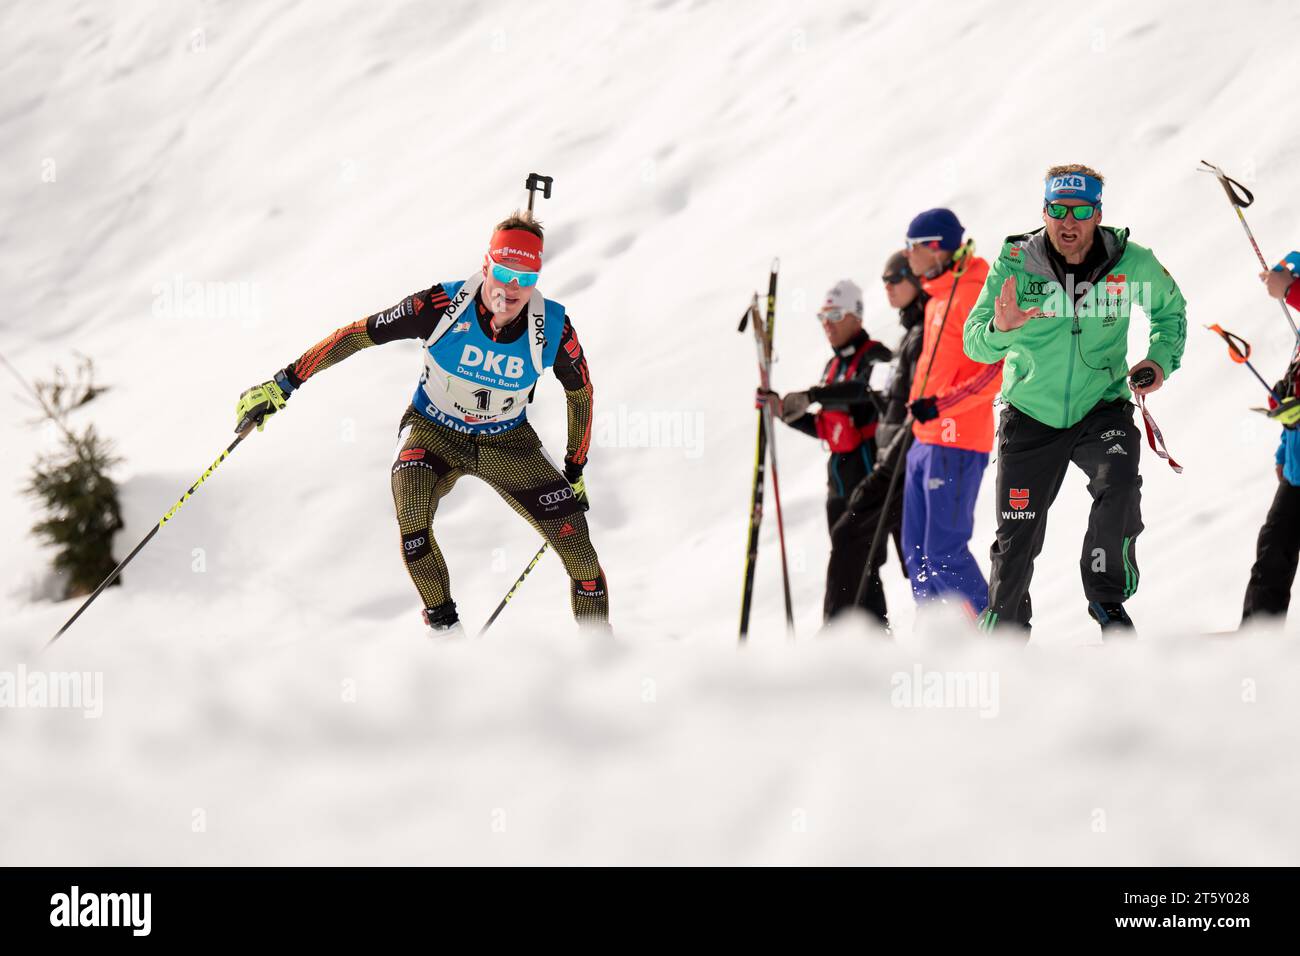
(936, 224)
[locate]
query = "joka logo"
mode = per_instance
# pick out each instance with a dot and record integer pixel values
(1019, 498)
(567, 530)
(1066, 182)
(539, 328)
(412, 454)
(460, 327)
(460, 296)
(1115, 284)
(492, 361)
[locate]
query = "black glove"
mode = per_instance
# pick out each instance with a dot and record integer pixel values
(573, 475)
(925, 408)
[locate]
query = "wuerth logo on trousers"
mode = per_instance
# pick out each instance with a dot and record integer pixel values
(102, 909)
(1018, 499)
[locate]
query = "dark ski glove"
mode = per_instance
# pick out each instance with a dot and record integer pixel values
(573, 475)
(794, 405)
(925, 408)
(787, 409)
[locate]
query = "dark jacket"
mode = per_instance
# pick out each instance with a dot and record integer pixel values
(893, 398)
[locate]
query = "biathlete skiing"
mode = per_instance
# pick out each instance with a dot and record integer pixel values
(487, 340)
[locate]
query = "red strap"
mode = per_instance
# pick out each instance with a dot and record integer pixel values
(1154, 436)
(854, 362)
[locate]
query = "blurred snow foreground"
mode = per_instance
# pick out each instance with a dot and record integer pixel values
(264, 689)
(527, 747)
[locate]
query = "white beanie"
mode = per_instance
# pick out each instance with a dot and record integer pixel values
(846, 296)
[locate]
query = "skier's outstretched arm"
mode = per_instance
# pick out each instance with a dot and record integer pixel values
(571, 369)
(412, 318)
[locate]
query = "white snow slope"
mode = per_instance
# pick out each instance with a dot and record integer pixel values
(269, 695)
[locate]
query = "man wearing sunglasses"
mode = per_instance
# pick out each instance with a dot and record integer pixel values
(853, 534)
(486, 342)
(1055, 310)
(846, 418)
(951, 401)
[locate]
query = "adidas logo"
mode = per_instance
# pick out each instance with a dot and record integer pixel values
(1116, 450)
(567, 530)
(934, 484)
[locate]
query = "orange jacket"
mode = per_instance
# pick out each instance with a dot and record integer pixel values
(963, 388)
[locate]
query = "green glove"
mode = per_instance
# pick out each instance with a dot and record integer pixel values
(258, 402)
(580, 492)
(1288, 413)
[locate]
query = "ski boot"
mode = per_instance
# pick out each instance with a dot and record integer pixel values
(1112, 617)
(443, 620)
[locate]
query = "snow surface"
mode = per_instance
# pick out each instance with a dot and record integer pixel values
(269, 694)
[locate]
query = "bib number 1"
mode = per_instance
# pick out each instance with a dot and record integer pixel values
(483, 402)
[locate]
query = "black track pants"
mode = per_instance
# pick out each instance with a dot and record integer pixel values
(1032, 461)
(432, 458)
(851, 540)
(1276, 554)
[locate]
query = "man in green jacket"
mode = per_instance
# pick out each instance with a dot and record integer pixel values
(1055, 309)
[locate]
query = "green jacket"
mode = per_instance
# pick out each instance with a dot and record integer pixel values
(1060, 364)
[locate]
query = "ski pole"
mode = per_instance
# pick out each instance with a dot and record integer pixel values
(152, 531)
(755, 499)
(514, 587)
(959, 269)
(765, 444)
(1240, 353)
(766, 375)
(900, 464)
(1238, 204)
